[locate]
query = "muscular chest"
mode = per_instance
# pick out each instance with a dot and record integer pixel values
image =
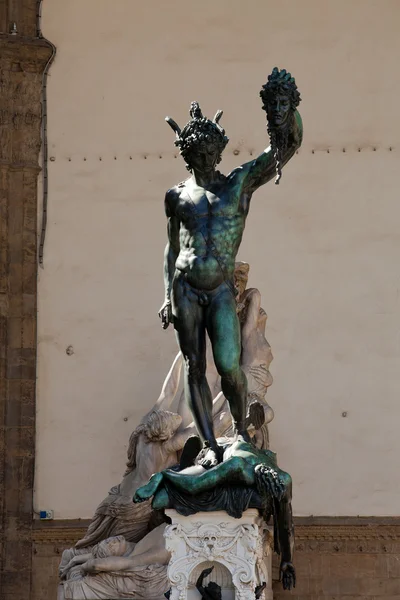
(200, 205)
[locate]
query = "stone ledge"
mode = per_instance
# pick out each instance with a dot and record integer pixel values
(329, 529)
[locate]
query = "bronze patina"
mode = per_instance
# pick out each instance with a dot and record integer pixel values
(206, 219)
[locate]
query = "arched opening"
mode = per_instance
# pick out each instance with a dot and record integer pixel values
(219, 575)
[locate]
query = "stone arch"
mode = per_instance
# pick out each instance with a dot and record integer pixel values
(220, 575)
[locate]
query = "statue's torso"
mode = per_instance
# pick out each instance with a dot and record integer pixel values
(211, 229)
(253, 456)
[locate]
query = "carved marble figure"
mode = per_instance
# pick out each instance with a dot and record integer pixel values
(240, 551)
(206, 218)
(246, 478)
(123, 537)
(152, 445)
(123, 554)
(115, 568)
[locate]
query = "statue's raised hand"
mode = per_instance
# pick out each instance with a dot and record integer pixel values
(207, 572)
(165, 314)
(287, 575)
(280, 98)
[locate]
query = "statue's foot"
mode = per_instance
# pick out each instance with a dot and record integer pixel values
(147, 491)
(210, 457)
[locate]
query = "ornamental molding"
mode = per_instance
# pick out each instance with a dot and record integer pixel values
(243, 547)
(67, 534)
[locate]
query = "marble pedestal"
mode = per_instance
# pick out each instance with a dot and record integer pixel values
(239, 549)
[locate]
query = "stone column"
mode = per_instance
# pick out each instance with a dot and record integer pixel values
(239, 549)
(22, 61)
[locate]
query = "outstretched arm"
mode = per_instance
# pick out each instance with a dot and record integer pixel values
(261, 170)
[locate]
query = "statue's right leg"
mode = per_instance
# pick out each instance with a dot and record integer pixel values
(189, 323)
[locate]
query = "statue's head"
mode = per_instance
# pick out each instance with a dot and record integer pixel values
(241, 276)
(157, 426)
(160, 425)
(214, 590)
(201, 142)
(114, 546)
(280, 97)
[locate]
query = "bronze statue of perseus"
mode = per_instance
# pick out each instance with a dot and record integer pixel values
(206, 219)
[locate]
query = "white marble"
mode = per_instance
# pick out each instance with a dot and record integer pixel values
(239, 549)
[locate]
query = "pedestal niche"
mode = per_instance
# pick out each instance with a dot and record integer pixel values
(240, 550)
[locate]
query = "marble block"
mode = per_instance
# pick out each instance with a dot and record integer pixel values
(240, 550)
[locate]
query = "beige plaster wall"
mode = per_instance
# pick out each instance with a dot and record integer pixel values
(324, 246)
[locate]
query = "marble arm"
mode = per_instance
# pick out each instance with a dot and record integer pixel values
(253, 298)
(176, 443)
(76, 560)
(151, 556)
(111, 563)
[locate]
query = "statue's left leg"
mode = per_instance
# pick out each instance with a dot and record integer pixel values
(224, 331)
